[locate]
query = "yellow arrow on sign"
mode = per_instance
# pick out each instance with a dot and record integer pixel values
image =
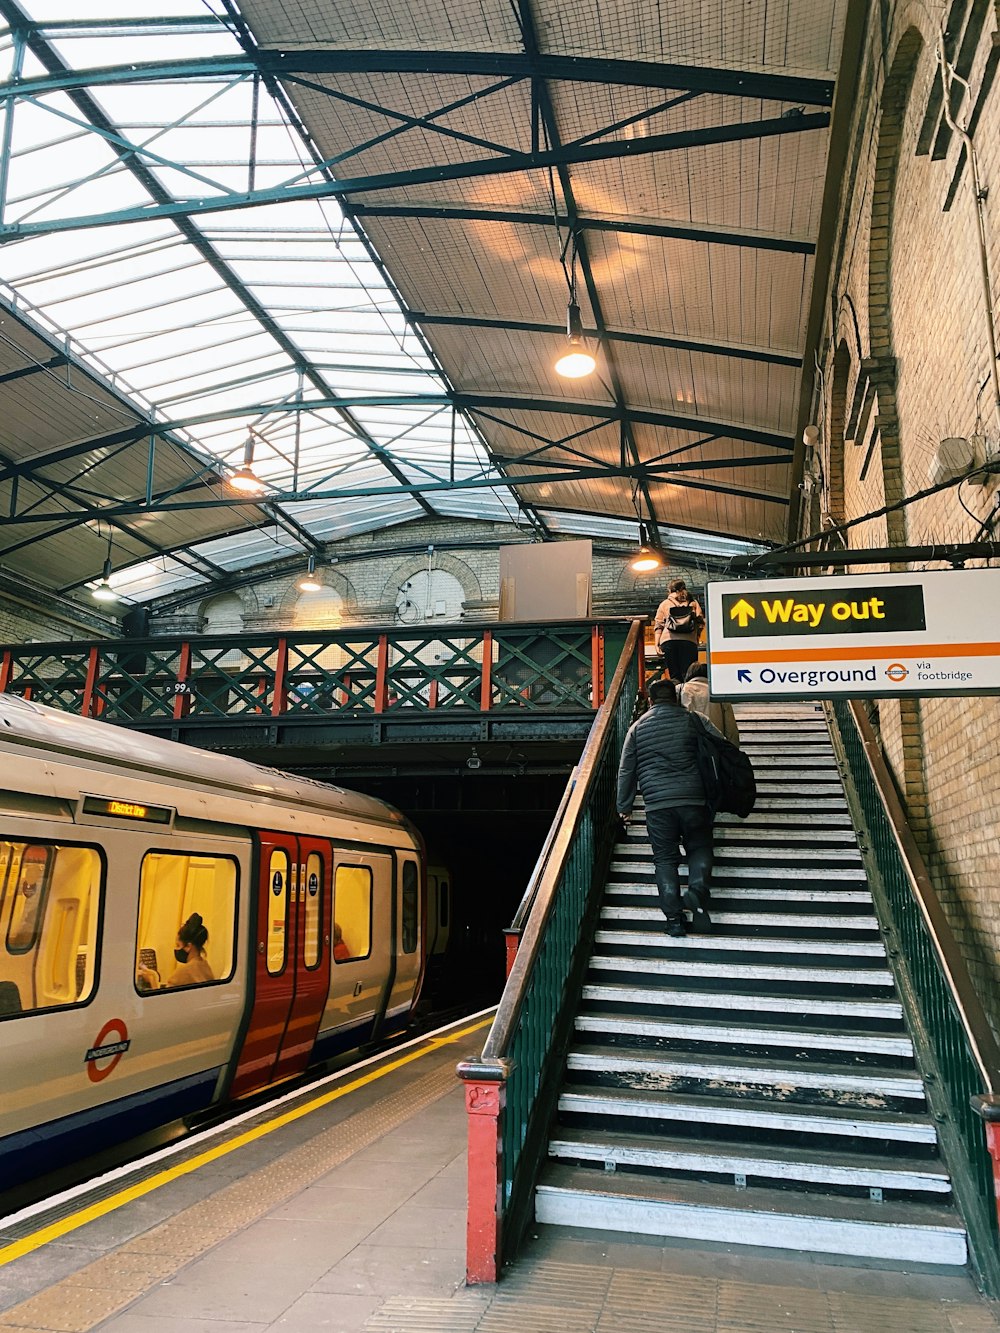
(742, 612)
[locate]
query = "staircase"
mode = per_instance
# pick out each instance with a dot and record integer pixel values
(754, 1085)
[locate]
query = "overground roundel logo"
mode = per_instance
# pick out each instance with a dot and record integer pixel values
(110, 1044)
(896, 671)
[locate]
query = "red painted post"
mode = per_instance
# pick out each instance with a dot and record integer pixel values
(279, 700)
(6, 667)
(182, 694)
(512, 938)
(261, 694)
(596, 665)
(433, 700)
(486, 688)
(642, 668)
(90, 686)
(992, 1128)
(382, 674)
(485, 1096)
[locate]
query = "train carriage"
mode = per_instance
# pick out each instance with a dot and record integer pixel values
(314, 900)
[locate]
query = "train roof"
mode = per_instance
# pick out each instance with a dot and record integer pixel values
(27, 727)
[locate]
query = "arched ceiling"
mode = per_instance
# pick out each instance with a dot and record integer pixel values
(350, 231)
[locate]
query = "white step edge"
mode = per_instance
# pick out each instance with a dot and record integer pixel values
(804, 920)
(825, 874)
(735, 1035)
(679, 967)
(716, 943)
(741, 893)
(727, 850)
(744, 1226)
(781, 1120)
(657, 1065)
(877, 1175)
(891, 1010)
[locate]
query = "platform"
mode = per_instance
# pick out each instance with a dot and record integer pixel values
(343, 1209)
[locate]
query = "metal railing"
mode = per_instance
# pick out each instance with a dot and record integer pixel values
(357, 672)
(957, 1050)
(511, 1090)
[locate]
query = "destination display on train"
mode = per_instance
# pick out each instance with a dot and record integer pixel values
(880, 635)
(118, 809)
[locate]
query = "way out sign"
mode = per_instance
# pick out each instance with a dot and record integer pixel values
(869, 634)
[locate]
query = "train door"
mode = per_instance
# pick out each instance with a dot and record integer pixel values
(362, 934)
(291, 960)
(309, 931)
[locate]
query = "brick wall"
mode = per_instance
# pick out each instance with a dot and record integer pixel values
(362, 584)
(907, 311)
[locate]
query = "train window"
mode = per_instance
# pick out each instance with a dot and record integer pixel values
(410, 907)
(277, 912)
(444, 893)
(175, 890)
(49, 911)
(313, 886)
(352, 911)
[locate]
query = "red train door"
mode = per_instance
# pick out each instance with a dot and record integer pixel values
(291, 960)
(311, 926)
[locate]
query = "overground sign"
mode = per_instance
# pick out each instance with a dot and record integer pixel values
(875, 634)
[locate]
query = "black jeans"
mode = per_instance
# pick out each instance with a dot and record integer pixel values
(692, 826)
(678, 654)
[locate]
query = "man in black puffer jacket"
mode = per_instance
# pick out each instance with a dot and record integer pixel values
(659, 757)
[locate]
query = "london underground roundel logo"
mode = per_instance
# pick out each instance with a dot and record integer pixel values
(896, 672)
(110, 1045)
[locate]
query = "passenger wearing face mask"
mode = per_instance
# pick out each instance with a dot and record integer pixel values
(189, 950)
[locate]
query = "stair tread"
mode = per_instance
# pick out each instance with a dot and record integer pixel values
(783, 1034)
(741, 893)
(754, 1199)
(717, 942)
(752, 917)
(751, 1069)
(851, 1121)
(670, 963)
(592, 1140)
(665, 996)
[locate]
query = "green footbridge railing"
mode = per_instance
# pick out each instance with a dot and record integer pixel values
(956, 1049)
(511, 1090)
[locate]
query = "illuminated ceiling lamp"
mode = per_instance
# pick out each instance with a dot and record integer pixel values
(647, 558)
(104, 591)
(309, 582)
(244, 479)
(576, 362)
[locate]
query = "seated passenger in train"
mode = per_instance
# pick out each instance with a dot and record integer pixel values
(193, 967)
(340, 949)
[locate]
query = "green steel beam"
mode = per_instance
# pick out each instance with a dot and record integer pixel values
(737, 350)
(641, 473)
(765, 85)
(186, 209)
(745, 237)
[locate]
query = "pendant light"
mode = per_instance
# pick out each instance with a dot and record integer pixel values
(244, 479)
(309, 582)
(576, 362)
(647, 558)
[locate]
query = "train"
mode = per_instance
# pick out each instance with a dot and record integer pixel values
(181, 929)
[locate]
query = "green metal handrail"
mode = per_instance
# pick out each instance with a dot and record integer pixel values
(526, 1044)
(956, 1047)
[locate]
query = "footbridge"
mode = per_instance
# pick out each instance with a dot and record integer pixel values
(358, 695)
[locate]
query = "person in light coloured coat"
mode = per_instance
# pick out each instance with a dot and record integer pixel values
(696, 699)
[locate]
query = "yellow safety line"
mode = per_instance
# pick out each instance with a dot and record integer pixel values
(78, 1219)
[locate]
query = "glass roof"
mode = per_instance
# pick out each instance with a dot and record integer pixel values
(219, 325)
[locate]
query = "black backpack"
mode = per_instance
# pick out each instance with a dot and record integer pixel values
(726, 772)
(683, 618)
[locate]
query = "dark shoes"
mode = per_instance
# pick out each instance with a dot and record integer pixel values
(700, 920)
(676, 927)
